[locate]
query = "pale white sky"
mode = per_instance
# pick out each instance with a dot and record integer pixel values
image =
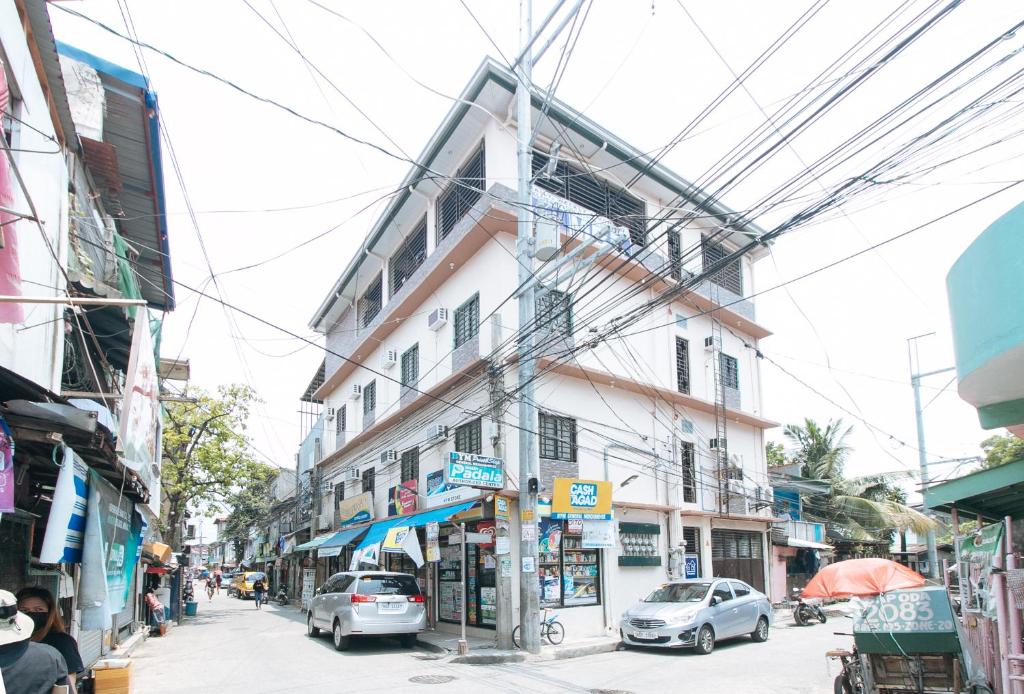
(640, 69)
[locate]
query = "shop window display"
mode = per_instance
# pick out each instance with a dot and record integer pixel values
(569, 574)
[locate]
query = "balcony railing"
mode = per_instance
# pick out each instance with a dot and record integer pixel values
(803, 530)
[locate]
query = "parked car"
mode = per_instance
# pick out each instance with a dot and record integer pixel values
(695, 614)
(368, 603)
(242, 585)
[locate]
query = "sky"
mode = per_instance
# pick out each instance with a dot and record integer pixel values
(290, 202)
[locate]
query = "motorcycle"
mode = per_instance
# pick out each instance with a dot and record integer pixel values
(282, 596)
(803, 613)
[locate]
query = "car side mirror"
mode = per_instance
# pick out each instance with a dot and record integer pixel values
(317, 592)
(716, 600)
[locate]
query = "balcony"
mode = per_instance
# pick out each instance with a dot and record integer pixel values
(802, 533)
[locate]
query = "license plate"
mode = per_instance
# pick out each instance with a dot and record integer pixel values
(645, 635)
(389, 606)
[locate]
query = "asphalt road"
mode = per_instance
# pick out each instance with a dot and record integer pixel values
(232, 647)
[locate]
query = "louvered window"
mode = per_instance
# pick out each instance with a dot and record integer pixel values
(411, 464)
(369, 397)
(369, 479)
(596, 195)
(461, 194)
(469, 437)
(408, 257)
(675, 256)
(689, 473)
(339, 421)
(557, 438)
(369, 305)
(683, 365)
(339, 492)
(729, 277)
(411, 366)
(730, 371)
(467, 321)
(554, 312)
(693, 546)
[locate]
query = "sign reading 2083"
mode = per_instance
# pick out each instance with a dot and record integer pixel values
(470, 470)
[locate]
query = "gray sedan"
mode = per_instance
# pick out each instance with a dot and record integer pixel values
(696, 614)
(368, 603)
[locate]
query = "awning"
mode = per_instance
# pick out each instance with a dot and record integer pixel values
(314, 543)
(807, 544)
(379, 530)
(336, 542)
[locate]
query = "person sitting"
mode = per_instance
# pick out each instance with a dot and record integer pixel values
(27, 667)
(39, 604)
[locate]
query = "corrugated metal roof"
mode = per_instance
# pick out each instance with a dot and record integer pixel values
(42, 31)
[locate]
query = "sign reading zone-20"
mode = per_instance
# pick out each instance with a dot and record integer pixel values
(470, 470)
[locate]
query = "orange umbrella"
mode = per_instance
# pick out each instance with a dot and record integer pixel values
(861, 577)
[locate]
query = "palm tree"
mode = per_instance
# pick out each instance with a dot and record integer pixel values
(861, 508)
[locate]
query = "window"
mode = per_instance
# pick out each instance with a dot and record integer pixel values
(554, 312)
(569, 574)
(469, 437)
(722, 591)
(369, 305)
(730, 369)
(387, 585)
(689, 474)
(740, 589)
(411, 365)
(729, 277)
(339, 422)
(596, 195)
(461, 194)
(692, 538)
(369, 477)
(339, 492)
(675, 256)
(682, 365)
(411, 464)
(557, 438)
(409, 256)
(369, 397)
(467, 321)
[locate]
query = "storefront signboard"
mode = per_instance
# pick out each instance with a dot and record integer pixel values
(308, 579)
(402, 499)
(581, 499)
(691, 566)
(598, 534)
(451, 496)
(356, 509)
(474, 470)
(433, 547)
(501, 508)
(403, 539)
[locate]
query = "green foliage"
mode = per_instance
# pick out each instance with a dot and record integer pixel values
(206, 454)
(250, 505)
(775, 454)
(1001, 449)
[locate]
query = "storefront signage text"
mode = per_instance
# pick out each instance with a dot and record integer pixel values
(581, 499)
(474, 471)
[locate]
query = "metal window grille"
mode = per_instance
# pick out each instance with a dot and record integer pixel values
(729, 277)
(369, 479)
(370, 304)
(411, 365)
(467, 321)
(689, 473)
(557, 438)
(369, 397)
(462, 193)
(675, 256)
(692, 537)
(554, 312)
(339, 492)
(409, 256)
(469, 437)
(339, 421)
(730, 369)
(411, 464)
(596, 195)
(682, 365)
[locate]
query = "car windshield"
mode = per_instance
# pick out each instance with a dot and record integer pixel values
(388, 585)
(679, 592)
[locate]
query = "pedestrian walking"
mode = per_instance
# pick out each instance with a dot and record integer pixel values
(27, 667)
(258, 590)
(219, 578)
(211, 586)
(39, 604)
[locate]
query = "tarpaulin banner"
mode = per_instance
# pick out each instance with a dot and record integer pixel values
(65, 527)
(6, 466)
(139, 436)
(10, 270)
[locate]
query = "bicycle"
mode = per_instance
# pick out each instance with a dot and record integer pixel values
(550, 629)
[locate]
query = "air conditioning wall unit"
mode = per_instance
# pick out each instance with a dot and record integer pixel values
(388, 456)
(438, 319)
(354, 475)
(329, 413)
(437, 431)
(356, 392)
(717, 444)
(388, 358)
(709, 344)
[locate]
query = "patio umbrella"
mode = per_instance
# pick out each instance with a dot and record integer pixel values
(859, 577)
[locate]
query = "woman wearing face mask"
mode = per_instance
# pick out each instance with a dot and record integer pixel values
(38, 603)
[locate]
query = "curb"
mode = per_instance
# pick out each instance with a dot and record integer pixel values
(432, 647)
(489, 658)
(125, 649)
(558, 653)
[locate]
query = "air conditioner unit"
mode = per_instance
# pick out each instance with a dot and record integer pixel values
(329, 414)
(438, 319)
(437, 431)
(354, 475)
(356, 392)
(717, 444)
(388, 358)
(388, 456)
(709, 344)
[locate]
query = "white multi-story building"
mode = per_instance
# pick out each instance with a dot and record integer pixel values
(421, 361)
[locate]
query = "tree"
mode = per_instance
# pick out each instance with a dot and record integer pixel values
(860, 508)
(250, 506)
(775, 454)
(1001, 449)
(205, 454)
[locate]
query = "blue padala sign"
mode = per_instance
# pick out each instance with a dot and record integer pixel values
(470, 470)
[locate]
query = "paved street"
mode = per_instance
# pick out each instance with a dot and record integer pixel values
(231, 646)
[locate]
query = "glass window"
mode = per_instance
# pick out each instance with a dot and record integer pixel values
(689, 474)
(411, 365)
(411, 464)
(722, 591)
(730, 371)
(730, 276)
(369, 479)
(469, 437)
(408, 257)
(370, 304)
(682, 365)
(569, 575)
(679, 592)
(740, 589)
(557, 438)
(345, 583)
(339, 421)
(369, 397)
(387, 585)
(554, 312)
(467, 321)
(459, 197)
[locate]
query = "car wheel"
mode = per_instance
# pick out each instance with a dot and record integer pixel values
(821, 616)
(705, 640)
(760, 633)
(408, 640)
(310, 629)
(341, 641)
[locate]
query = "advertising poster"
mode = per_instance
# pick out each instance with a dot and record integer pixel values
(356, 509)
(308, 581)
(691, 566)
(65, 529)
(6, 468)
(435, 483)
(977, 553)
(501, 508)
(598, 534)
(433, 547)
(402, 499)
(486, 528)
(138, 439)
(581, 499)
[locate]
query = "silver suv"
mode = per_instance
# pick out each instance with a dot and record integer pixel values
(368, 603)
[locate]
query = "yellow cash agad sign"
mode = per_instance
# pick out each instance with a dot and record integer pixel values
(586, 499)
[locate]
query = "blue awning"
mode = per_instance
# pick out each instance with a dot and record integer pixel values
(342, 538)
(378, 531)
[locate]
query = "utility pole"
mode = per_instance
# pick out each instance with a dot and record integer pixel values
(529, 589)
(502, 524)
(915, 381)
